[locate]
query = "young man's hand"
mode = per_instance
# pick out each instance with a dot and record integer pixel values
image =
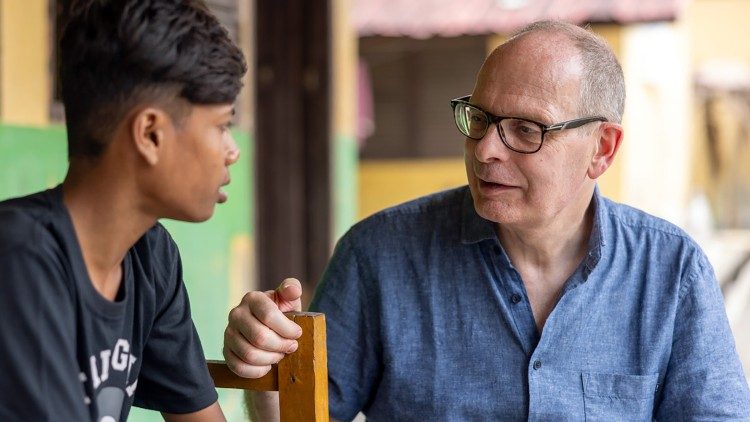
(259, 334)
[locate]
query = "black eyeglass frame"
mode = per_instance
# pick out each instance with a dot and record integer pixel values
(491, 118)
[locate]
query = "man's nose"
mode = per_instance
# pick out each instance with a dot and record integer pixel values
(491, 147)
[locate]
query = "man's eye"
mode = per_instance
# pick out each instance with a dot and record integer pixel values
(526, 128)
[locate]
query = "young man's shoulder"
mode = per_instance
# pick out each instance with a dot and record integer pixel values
(32, 250)
(158, 244)
(25, 221)
(157, 238)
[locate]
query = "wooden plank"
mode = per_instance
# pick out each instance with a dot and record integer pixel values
(303, 375)
(224, 378)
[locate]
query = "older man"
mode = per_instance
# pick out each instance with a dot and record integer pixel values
(526, 295)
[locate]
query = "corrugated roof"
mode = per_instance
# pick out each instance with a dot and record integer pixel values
(449, 18)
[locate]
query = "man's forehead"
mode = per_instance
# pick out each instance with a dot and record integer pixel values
(543, 72)
(543, 56)
(545, 51)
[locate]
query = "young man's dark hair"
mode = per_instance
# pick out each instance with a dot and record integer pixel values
(116, 54)
(96, 316)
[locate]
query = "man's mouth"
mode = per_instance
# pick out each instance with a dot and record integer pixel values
(487, 187)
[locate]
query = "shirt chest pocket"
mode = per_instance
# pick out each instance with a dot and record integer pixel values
(615, 397)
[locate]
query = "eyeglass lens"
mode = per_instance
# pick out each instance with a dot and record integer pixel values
(518, 134)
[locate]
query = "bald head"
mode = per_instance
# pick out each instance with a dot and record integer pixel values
(550, 47)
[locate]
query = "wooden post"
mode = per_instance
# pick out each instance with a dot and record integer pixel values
(303, 375)
(301, 378)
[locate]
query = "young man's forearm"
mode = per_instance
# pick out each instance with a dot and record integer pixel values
(263, 405)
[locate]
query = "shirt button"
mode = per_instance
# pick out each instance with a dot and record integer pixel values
(537, 364)
(515, 298)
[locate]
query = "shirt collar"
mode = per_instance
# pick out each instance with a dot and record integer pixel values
(475, 229)
(598, 233)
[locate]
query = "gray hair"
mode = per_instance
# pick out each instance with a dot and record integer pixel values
(602, 83)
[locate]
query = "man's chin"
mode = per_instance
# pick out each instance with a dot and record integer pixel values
(493, 210)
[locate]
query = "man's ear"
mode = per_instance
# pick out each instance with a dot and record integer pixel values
(610, 137)
(149, 130)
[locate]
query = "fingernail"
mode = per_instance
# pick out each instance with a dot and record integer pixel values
(292, 348)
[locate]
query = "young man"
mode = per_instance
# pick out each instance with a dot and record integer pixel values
(95, 314)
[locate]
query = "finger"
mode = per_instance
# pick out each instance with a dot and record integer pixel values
(273, 331)
(241, 368)
(247, 352)
(288, 295)
(243, 323)
(269, 314)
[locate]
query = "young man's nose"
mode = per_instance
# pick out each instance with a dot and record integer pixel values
(233, 154)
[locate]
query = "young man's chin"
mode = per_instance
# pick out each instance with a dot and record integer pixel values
(204, 216)
(194, 216)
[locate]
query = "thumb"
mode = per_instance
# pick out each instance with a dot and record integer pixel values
(288, 295)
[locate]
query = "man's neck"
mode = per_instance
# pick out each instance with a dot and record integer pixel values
(549, 246)
(107, 222)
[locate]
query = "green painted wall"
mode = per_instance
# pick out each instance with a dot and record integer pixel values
(32, 159)
(345, 164)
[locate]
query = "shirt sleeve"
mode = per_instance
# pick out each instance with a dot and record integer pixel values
(704, 378)
(347, 297)
(174, 377)
(40, 375)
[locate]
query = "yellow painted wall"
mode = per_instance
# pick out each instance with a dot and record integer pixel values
(610, 182)
(718, 32)
(718, 29)
(24, 65)
(656, 153)
(344, 70)
(384, 183)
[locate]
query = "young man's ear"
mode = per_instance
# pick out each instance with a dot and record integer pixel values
(149, 129)
(610, 138)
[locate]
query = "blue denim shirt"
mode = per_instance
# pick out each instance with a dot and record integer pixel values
(428, 320)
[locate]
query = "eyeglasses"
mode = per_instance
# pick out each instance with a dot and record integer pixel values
(518, 134)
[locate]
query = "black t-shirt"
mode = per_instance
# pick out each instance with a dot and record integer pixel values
(68, 354)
